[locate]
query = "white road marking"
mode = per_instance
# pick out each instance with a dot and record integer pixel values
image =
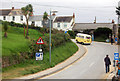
(91, 64)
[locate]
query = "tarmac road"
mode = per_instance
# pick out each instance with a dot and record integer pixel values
(91, 66)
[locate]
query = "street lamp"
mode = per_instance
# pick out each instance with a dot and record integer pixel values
(50, 35)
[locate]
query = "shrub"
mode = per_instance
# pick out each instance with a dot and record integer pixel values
(102, 31)
(72, 34)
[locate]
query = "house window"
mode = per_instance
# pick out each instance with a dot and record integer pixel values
(65, 25)
(33, 22)
(21, 18)
(4, 17)
(58, 25)
(13, 18)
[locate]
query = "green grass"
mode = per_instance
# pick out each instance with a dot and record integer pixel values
(16, 42)
(101, 38)
(58, 55)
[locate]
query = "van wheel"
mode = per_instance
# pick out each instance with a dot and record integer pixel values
(76, 41)
(82, 43)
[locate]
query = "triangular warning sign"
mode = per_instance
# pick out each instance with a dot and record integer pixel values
(40, 41)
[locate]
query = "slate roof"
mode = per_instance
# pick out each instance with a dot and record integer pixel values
(63, 19)
(36, 18)
(6, 12)
(83, 26)
(16, 12)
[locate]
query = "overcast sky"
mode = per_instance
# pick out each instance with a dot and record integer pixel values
(85, 10)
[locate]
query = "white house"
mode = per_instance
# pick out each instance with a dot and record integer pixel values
(17, 16)
(64, 23)
(36, 20)
(14, 15)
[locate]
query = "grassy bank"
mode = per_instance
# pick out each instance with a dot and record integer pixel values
(31, 66)
(16, 42)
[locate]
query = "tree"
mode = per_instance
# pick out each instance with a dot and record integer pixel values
(45, 18)
(5, 27)
(27, 11)
(103, 32)
(118, 10)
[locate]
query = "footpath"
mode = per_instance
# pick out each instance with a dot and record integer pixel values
(81, 52)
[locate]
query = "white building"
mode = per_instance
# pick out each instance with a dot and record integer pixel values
(14, 15)
(17, 16)
(36, 20)
(64, 23)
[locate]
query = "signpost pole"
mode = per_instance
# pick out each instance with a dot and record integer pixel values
(50, 40)
(115, 69)
(116, 57)
(40, 46)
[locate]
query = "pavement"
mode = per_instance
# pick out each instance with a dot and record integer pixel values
(112, 72)
(79, 54)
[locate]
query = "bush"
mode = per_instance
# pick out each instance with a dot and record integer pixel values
(72, 34)
(102, 31)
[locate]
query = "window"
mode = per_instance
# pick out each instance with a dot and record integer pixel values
(87, 37)
(33, 22)
(13, 18)
(81, 37)
(21, 18)
(58, 25)
(65, 25)
(4, 17)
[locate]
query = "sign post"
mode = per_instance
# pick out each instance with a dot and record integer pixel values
(39, 56)
(116, 57)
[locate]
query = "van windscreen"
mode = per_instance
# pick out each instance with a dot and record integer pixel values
(87, 37)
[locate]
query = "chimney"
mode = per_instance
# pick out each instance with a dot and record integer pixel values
(95, 20)
(74, 17)
(12, 8)
(113, 21)
(53, 14)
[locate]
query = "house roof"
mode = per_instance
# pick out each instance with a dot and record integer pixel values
(63, 19)
(83, 26)
(36, 18)
(16, 12)
(6, 12)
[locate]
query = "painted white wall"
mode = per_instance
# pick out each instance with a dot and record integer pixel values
(1, 17)
(17, 19)
(69, 27)
(37, 23)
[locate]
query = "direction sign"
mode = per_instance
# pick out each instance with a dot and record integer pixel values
(40, 41)
(39, 56)
(116, 56)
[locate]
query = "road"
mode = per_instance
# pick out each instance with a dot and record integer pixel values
(91, 66)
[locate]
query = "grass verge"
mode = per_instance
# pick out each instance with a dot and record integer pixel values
(32, 66)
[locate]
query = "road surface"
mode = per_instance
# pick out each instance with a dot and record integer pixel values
(91, 66)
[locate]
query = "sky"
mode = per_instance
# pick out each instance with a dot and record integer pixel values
(85, 10)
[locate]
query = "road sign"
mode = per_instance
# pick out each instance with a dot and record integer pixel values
(116, 56)
(65, 31)
(39, 56)
(40, 41)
